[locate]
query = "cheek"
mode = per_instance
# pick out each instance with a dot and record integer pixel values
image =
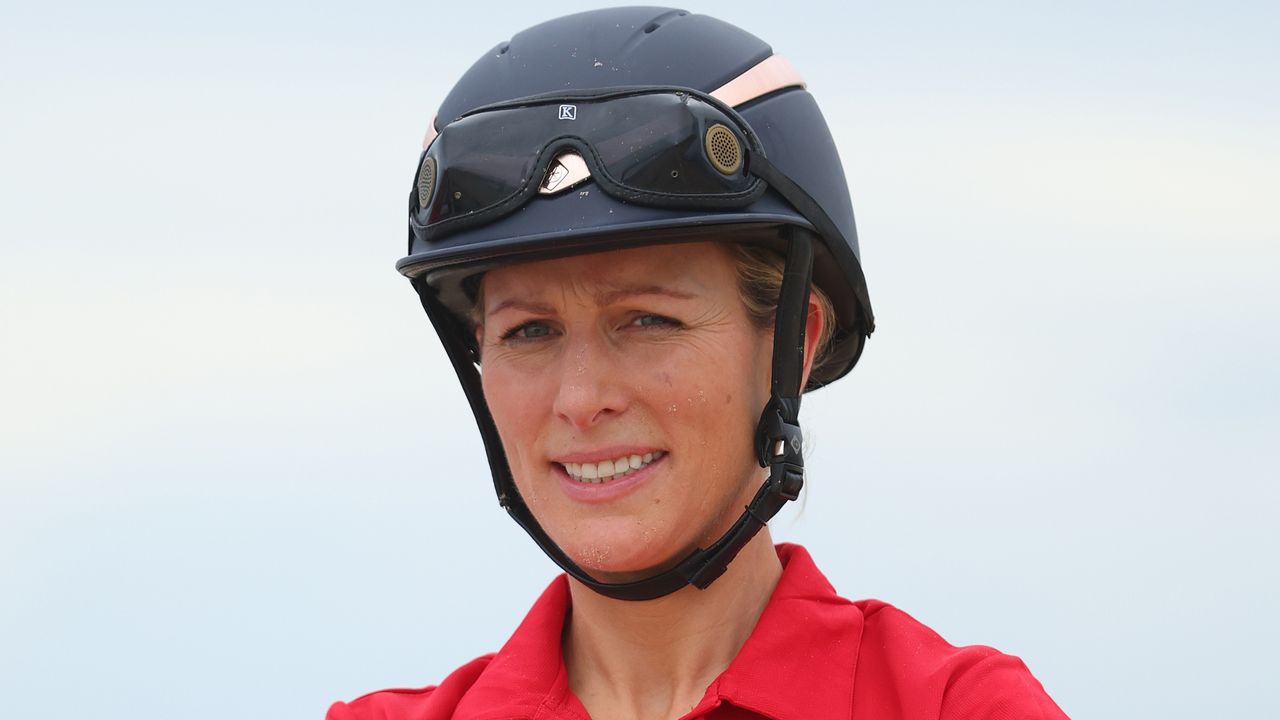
(713, 408)
(498, 394)
(513, 402)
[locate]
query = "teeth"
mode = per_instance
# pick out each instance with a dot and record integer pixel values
(604, 470)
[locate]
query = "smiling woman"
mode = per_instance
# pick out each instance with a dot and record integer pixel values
(594, 362)
(645, 341)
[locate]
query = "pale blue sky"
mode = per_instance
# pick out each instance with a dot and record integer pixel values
(237, 478)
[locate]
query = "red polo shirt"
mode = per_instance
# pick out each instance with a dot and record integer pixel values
(812, 655)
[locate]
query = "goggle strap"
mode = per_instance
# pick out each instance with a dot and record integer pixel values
(763, 168)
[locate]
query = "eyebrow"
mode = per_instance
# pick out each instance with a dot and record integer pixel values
(535, 308)
(624, 293)
(607, 297)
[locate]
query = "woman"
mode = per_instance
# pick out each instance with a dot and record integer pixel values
(635, 222)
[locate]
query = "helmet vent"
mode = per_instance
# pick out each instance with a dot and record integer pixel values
(426, 181)
(723, 149)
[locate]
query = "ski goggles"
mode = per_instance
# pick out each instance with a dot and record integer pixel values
(661, 146)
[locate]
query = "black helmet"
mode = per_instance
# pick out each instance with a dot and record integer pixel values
(664, 123)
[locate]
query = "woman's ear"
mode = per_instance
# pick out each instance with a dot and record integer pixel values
(813, 324)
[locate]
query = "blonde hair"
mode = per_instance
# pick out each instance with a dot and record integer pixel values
(759, 270)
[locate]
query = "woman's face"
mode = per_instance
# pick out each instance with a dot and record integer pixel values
(626, 386)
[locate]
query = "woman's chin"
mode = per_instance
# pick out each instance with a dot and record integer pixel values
(623, 555)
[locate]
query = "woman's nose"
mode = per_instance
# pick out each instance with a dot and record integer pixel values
(592, 388)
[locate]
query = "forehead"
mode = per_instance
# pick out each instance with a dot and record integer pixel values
(698, 268)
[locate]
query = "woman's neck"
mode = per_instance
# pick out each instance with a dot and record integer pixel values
(654, 659)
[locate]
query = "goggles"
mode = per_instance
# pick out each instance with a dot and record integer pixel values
(659, 146)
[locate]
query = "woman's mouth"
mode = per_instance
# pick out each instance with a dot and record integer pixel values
(609, 470)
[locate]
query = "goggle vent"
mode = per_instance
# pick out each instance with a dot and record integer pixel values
(723, 149)
(426, 181)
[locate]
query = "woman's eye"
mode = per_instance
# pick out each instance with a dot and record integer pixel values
(533, 330)
(655, 321)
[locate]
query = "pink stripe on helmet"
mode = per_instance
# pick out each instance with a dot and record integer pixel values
(773, 73)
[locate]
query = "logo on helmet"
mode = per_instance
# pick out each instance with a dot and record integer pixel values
(568, 112)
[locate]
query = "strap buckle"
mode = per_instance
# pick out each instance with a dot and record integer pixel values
(780, 447)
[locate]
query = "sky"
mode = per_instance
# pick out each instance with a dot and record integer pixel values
(237, 476)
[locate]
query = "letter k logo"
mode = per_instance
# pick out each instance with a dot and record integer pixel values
(568, 112)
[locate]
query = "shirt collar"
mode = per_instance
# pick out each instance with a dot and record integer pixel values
(798, 662)
(528, 673)
(800, 659)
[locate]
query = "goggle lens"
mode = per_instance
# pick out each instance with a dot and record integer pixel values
(662, 147)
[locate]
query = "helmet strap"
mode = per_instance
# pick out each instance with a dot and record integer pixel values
(778, 440)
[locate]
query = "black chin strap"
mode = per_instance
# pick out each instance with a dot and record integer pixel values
(778, 440)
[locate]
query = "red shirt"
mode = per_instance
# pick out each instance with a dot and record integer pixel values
(812, 655)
